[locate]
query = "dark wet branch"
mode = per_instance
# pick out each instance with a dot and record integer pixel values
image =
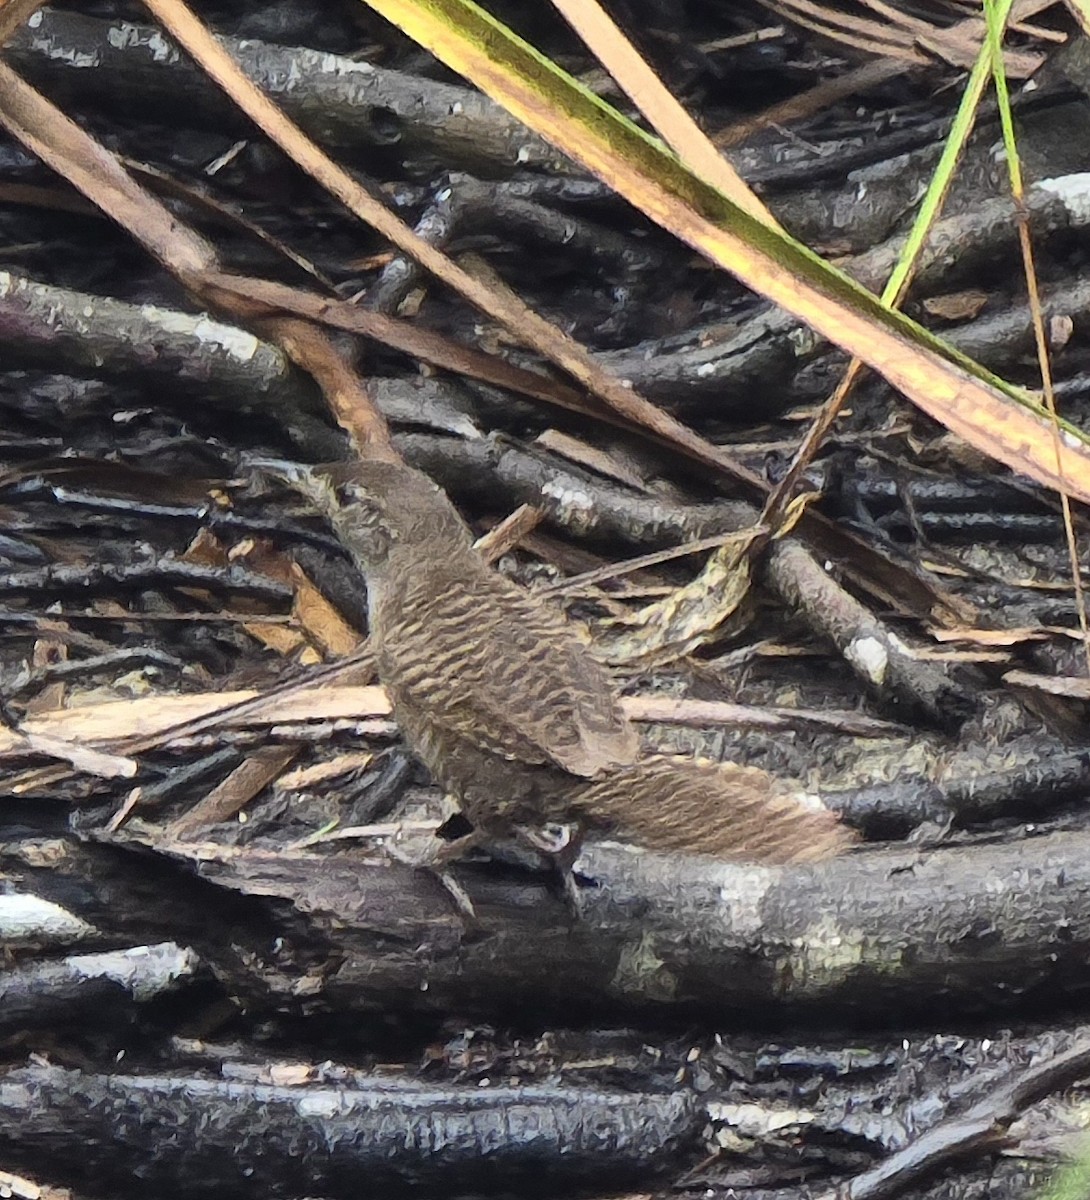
(350, 1135)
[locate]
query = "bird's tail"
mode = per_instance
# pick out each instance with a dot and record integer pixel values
(718, 809)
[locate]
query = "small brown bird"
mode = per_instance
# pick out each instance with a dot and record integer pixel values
(498, 695)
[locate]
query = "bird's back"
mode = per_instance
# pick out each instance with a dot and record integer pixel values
(476, 665)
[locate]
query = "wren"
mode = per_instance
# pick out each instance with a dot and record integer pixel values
(500, 697)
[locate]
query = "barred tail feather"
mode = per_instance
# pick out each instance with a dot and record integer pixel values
(718, 809)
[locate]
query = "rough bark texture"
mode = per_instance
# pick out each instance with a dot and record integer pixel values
(877, 937)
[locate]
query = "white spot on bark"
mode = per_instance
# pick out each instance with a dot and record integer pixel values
(742, 896)
(161, 49)
(575, 508)
(640, 972)
(145, 971)
(1073, 192)
(757, 1120)
(325, 1103)
(338, 64)
(49, 50)
(823, 957)
(25, 918)
(236, 342)
(870, 657)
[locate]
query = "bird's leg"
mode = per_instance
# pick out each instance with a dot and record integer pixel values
(458, 848)
(560, 844)
(470, 921)
(437, 865)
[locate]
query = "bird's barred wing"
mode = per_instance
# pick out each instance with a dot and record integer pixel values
(505, 671)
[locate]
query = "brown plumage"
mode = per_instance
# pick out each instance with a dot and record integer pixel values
(704, 807)
(497, 694)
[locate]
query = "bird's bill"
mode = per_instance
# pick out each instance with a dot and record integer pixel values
(295, 474)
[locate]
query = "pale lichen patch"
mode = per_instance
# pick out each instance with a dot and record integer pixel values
(323, 1103)
(238, 343)
(641, 972)
(822, 958)
(1073, 191)
(145, 971)
(742, 896)
(576, 507)
(870, 657)
(123, 36)
(340, 66)
(29, 918)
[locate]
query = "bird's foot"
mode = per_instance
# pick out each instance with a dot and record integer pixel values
(457, 849)
(436, 865)
(560, 844)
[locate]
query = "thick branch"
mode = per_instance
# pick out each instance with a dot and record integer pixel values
(877, 934)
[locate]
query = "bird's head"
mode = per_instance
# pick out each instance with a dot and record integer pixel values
(379, 509)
